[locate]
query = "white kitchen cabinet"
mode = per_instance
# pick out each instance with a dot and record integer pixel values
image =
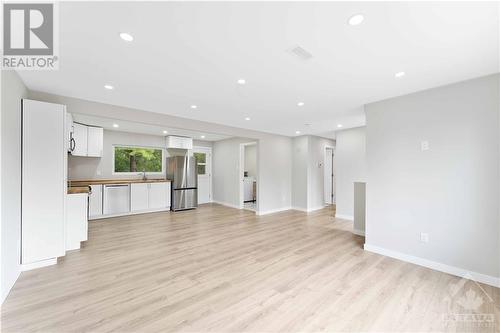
(116, 199)
(149, 196)
(80, 136)
(95, 201)
(94, 141)
(76, 220)
(179, 142)
(44, 183)
(69, 132)
(139, 196)
(86, 140)
(158, 195)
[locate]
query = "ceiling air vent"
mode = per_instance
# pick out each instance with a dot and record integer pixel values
(301, 53)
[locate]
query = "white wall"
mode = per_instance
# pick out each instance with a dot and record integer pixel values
(251, 160)
(274, 156)
(300, 152)
(450, 191)
(13, 90)
(350, 167)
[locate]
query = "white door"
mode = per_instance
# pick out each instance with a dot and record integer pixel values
(329, 185)
(203, 157)
(158, 195)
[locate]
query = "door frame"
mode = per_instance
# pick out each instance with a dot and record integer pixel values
(208, 151)
(241, 174)
(334, 197)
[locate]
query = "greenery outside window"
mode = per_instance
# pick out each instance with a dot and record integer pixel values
(201, 162)
(138, 159)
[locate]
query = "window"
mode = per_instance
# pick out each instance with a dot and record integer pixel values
(201, 162)
(138, 159)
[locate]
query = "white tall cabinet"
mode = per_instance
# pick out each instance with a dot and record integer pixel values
(44, 183)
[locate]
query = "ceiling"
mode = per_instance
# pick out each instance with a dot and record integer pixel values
(143, 128)
(193, 53)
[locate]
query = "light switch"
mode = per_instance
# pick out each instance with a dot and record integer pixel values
(424, 145)
(424, 237)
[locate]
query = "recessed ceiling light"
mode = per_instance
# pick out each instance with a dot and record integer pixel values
(247, 118)
(126, 37)
(399, 75)
(203, 137)
(193, 106)
(356, 19)
(339, 125)
(242, 81)
(300, 103)
(109, 87)
(116, 125)
(165, 132)
(297, 132)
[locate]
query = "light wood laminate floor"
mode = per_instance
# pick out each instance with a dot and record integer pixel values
(220, 269)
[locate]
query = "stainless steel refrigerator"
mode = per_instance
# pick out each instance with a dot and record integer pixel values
(181, 170)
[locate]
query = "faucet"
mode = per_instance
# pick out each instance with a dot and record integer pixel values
(144, 175)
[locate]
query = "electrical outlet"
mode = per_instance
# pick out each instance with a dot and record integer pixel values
(424, 237)
(424, 145)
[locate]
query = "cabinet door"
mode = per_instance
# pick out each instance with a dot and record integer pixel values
(139, 197)
(76, 220)
(157, 195)
(94, 141)
(95, 201)
(80, 143)
(43, 192)
(167, 185)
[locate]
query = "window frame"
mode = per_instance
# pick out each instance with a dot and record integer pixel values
(129, 173)
(204, 164)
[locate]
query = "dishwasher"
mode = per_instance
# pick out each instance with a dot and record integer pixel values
(116, 199)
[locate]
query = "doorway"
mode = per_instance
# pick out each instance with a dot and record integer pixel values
(203, 156)
(248, 176)
(329, 176)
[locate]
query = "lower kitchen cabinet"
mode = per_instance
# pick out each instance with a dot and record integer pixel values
(76, 220)
(95, 201)
(149, 196)
(139, 196)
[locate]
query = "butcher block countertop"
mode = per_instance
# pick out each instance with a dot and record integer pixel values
(78, 189)
(87, 182)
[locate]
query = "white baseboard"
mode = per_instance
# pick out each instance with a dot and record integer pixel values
(107, 216)
(38, 264)
(307, 210)
(227, 204)
(483, 278)
(272, 211)
(8, 288)
(358, 232)
(344, 217)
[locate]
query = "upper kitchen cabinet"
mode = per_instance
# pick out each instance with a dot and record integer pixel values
(86, 141)
(79, 140)
(179, 142)
(94, 141)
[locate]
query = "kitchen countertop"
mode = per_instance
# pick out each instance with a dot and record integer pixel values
(87, 182)
(78, 189)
